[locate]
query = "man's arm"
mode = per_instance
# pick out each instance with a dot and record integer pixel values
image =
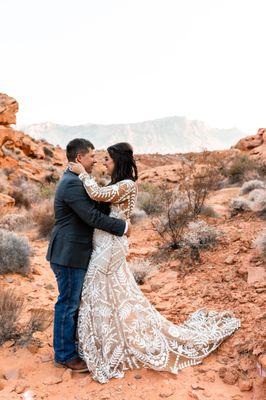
(76, 197)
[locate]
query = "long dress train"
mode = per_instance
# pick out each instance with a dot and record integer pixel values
(118, 328)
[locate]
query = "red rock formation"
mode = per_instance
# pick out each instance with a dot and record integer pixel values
(8, 110)
(254, 145)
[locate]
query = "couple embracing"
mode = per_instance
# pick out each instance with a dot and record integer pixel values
(103, 323)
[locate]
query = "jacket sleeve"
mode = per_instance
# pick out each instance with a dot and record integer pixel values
(76, 197)
(112, 194)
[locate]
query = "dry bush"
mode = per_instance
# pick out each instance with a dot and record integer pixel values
(240, 168)
(11, 306)
(3, 183)
(25, 193)
(43, 216)
(14, 222)
(257, 201)
(260, 243)
(40, 320)
(140, 269)
(173, 220)
(14, 253)
(47, 191)
(208, 211)
(186, 202)
(149, 199)
(48, 152)
(200, 235)
(52, 178)
(238, 205)
(137, 215)
(251, 185)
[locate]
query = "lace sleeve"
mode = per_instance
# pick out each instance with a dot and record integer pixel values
(112, 194)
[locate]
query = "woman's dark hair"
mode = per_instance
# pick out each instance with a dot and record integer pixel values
(124, 162)
(77, 146)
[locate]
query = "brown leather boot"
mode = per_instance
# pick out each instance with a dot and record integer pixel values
(76, 365)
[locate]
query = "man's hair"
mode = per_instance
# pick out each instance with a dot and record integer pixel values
(77, 146)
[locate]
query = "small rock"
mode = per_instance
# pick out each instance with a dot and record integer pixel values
(20, 387)
(13, 373)
(8, 344)
(46, 357)
(245, 385)
(193, 395)
(230, 260)
(9, 280)
(53, 380)
(155, 287)
(137, 376)
(196, 386)
(166, 394)
(67, 375)
(33, 346)
(146, 288)
(228, 375)
(49, 286)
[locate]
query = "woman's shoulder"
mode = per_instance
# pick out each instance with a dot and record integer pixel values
(129, 182)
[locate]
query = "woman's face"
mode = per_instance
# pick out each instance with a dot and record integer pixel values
(108, 163)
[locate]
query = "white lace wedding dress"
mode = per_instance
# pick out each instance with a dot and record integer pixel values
(118, 328)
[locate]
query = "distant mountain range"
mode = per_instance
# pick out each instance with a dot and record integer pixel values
(165, 135)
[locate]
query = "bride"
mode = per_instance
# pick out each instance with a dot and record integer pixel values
(118, 328)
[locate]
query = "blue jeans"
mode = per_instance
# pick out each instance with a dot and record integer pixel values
(69, 282)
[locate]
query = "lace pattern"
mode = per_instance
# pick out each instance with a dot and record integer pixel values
(118, 328)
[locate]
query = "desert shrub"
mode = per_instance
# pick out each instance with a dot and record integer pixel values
(14, 222)
(48, 152)
(137, 215)
(240, 167)
(257, 201)
(149, 199)
(173, 220)
(200, 235)
(25, 193)
(40, 320)
(3, 183)
(251, 185)
(52, 178)
(14, 253)
(208, 211)
(238, 205)
(11, 306)
(186, 202)
(8, 171)
(140, 268)
(260, 243)
(43, 216)
(47, 191)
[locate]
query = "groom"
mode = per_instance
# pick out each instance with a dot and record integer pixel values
(70, 248)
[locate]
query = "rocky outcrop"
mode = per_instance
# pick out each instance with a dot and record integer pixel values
(22, 156)
(254, 145)
(8, 110)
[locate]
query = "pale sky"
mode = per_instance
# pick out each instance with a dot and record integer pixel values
(118, 61)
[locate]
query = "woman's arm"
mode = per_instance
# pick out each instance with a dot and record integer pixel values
(112, 194)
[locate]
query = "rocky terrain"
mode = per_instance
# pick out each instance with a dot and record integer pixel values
(229, 276)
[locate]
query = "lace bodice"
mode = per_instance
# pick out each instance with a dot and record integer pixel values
(122, 194)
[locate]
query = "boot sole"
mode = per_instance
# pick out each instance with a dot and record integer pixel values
(58, 365)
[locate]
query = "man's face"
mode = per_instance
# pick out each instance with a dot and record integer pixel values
(87, 159)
